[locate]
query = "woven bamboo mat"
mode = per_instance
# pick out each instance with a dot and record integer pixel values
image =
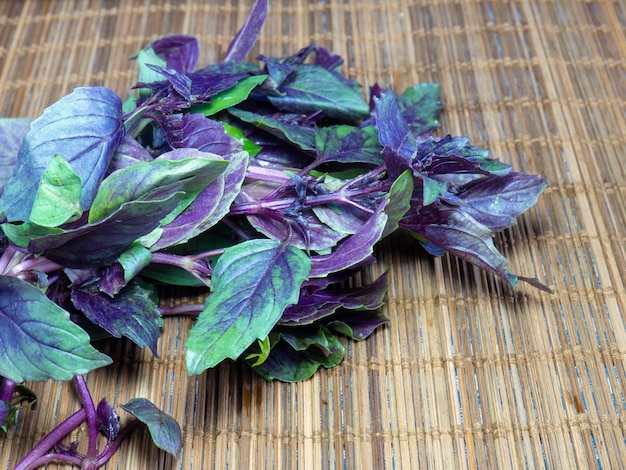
(468, 373)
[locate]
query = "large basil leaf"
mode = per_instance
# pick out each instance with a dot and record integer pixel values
(38, 341)
(268, 275)
(84, 127)
(58, 196)
(12, 131)
(209, 207)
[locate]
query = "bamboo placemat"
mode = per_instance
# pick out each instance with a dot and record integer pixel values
(468, 373)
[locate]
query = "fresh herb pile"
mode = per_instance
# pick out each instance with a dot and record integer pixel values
(270, 183)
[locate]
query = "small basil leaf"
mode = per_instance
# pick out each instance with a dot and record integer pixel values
(164, 430)
(58, 197)
(107, 420)
(131, 313)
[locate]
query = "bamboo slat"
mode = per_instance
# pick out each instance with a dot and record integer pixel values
(468, 373)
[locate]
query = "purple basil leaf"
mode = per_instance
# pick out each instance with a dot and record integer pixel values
(84, 127)
(333, 62)
(280, 69)
(304, 228)
(198, 132)
(313, 306)
(112, 279)
(313, 89)
(130, 263)
(394, 135)
(431, 149)
(209, 207)
(348, 144)
(128, 153)
(327, 59)
(164, 430)
(354, 249)
(180, 52)
(288, 365)
(269, 275)
(107, 420)
(496, 201)
(188, 168)
(180, 82)
(102, 242)
(310, 308)
(455, 231)
(12, 132)
(245, 39)
(38, 341)
(357, 325)
(280, 126)
(131, 313)
(420, 106)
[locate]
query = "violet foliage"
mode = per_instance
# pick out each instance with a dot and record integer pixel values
(270, 184)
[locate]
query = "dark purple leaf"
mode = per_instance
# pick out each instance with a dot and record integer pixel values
(303, 228)
(12, 131)
(164, 430)
(128, 153)
(357, 325)
(85, 128)
(107, 420)
(496, 201)
(180, 82)
(456, 232)
(131, 313)
(179, 52)
(354, 249)
(245, 39)
(209, 207)
(314, 305)
(432, 149)
(393, 134)
(198, 132)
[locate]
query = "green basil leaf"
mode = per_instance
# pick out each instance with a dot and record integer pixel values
(58, 197)
(268, 275)
(38, 341)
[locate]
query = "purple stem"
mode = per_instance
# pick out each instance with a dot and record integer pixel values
(50, 457)
(110, 449)
(188, 263)
(52, 438)
(90, 413)
(7, 389)
(186, 310)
